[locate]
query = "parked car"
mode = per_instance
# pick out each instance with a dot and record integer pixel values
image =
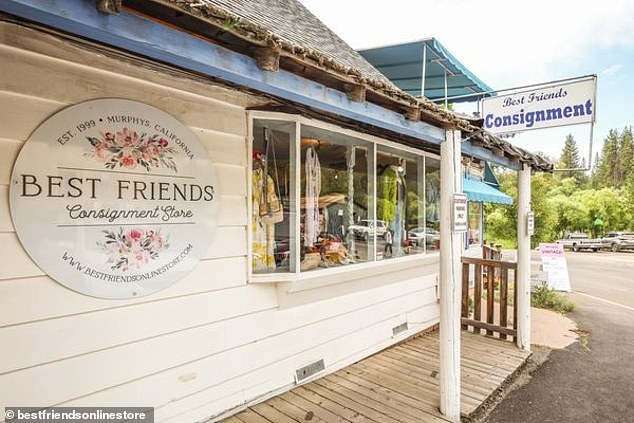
(618, 240)
(429, 236)
(577, 241)
(365, 228)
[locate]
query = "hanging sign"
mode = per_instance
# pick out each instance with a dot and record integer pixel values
(460, 216)
(114, 198)
(556, 104)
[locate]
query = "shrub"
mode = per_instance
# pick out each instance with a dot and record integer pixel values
(545, 297)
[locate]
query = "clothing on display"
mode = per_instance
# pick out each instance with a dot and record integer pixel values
(313, 189)
(263, 231)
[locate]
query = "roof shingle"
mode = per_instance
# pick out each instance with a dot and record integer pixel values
(291, 22)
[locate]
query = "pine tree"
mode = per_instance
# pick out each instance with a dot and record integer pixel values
(626, 153)
(608, 168)
(569, 159)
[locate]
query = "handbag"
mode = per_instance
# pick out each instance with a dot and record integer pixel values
(271, 209)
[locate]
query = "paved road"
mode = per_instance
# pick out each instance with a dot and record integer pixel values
(607, 276)
(590, 381)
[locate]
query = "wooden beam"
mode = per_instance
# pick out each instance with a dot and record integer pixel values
(488, 262)
(111, 7)
(412, 113)
(268, 59)
(489, 327)
(355, 92)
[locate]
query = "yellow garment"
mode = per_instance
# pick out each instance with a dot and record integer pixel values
(263, 258)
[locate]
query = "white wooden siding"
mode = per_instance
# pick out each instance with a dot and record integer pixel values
(210, 342)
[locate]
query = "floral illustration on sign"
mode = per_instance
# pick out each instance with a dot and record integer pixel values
(132, 248)
(128, 149)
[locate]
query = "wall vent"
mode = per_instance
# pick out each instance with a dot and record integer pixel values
(400, 328)
(309, 370)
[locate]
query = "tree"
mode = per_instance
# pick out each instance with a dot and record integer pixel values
(501, 221)
(562, 204)
(569, 159)
(609, 167)
(568, 215)
(626, 153)
(541, 185)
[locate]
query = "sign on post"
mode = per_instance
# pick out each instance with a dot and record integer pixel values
(460, 217)
(557, 104)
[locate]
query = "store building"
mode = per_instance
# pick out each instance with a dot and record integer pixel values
(205, 204)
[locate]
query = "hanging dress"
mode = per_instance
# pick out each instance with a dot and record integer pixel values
(313, 189)
(263, 258)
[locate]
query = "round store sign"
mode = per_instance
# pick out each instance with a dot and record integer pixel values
(114, 198)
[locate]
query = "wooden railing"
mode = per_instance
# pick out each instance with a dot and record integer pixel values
(491, 252)
(492, 316)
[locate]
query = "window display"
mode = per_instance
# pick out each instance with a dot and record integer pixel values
(270, 197)
(335, 197)
(475, 223)
(432, 203)
(400, 202)
(323, 199)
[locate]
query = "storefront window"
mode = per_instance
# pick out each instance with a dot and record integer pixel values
(336, 204)
(432, 203)
(271, 191)
(475, 223)
(400, 203)
(323, 199)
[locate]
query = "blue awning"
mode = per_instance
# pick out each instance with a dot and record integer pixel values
(403, 65)
(481, 191)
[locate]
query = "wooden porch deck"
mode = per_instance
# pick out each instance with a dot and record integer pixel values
(399, 384)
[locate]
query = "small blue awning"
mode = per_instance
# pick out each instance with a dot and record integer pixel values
(481, 191)
(407, 64)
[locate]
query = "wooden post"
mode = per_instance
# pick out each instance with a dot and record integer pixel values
(523, 260)
(450, 278)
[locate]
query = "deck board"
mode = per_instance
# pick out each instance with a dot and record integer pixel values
(399, 384)
(271, 413)
(393, 391)
(333, 406)
(368, 399)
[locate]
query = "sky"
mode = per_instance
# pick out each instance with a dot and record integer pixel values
(509, 44)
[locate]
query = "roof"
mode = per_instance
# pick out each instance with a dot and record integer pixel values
(403, 65)
(303, 29)
(306, 47)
